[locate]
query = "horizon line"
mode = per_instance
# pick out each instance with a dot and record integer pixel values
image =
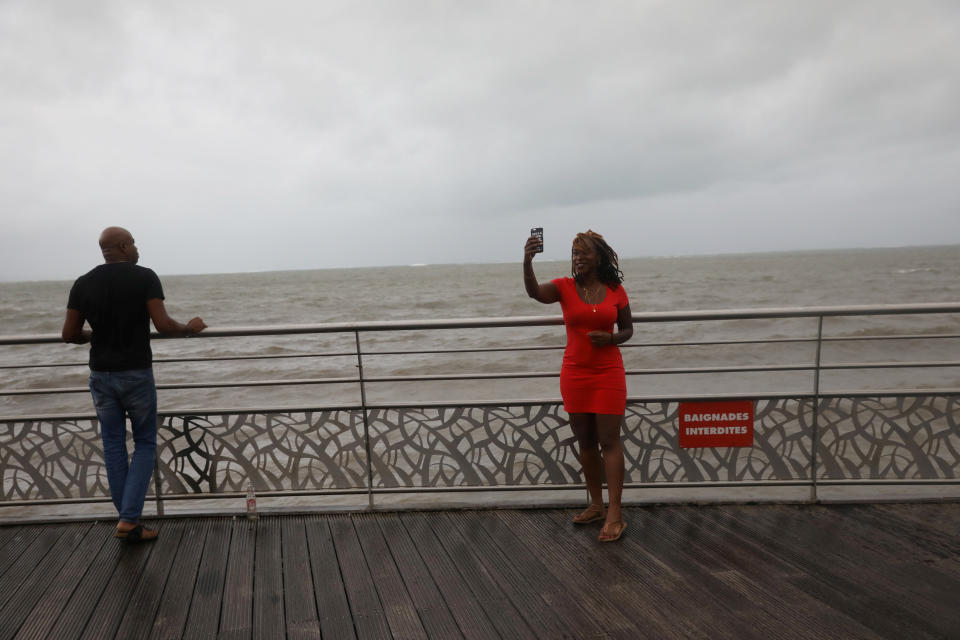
(497, 262)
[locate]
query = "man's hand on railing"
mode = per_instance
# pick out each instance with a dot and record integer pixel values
(196, 325)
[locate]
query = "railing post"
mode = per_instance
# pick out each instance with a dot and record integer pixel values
(366, 423)
(156, 476)
(815, 436)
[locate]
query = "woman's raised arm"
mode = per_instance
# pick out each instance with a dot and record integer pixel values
(545, 293)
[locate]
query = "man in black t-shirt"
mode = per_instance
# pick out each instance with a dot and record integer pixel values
(119, 299)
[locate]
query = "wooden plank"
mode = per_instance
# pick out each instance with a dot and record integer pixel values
(51, 603)
(595, 614)
(508, 621)
(771, 600)
(330, 593)
(7, 533)
(368, 616)
(806, 543)
(760, 537)
(633, 575)
(781, 618)
(436, 618)
(303, 630)
(603, 591)
(912, 542)
(526, 581)
(25, 550)
(853, 557)
(891, 555)
(937, 519)
(174, 606)
(398, 608)
(300, 609)
(639, 584)
(114, 592)
(236, 614)
(15, 542)
(268, 617)
(204, 616)
(471, 621)
(28, 593)
(717, 584)
(145, 598)
(745, 571)
(76, 612)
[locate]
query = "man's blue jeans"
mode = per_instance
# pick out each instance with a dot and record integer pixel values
(116, 395)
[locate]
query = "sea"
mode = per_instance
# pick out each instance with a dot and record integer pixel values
(877, 276)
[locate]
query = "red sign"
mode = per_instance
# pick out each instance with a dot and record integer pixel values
(716, 424)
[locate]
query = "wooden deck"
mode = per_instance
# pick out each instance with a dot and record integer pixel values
(746, 571)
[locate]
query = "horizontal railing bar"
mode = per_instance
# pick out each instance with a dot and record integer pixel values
(890, 393)
(698, 343)
(333, 327)
(189, 359)
(493, 350)
(502, 376)
(299, 355)
(892, 365)
(233, 495)
(728, 369)
(409, 352)
(800, 395)
(421, 378)
(707, 343)
(336, 354)
(533, 321)
(496, 489)
(567, 487)
(913, 336)
(887, 482)
(553, 374)
(185, 496)
(191, 385)
(54, 501)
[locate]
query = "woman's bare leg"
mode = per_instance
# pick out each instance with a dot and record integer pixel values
(608, 433)
(585, 429)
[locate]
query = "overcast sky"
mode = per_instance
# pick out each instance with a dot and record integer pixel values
(248, 136)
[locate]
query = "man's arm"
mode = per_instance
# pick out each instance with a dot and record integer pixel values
(73, 330)
(165, 324)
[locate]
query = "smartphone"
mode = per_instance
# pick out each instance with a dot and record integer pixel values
(538, 231)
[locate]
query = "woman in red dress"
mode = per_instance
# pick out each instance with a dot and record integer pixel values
(592, 379)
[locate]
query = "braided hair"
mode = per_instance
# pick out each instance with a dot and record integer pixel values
(608, 268)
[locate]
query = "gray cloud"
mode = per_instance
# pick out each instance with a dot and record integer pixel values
(246, 136)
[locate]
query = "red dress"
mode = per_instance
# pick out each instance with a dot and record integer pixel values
(592, 379)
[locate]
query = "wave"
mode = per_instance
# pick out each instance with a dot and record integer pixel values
(916, 270)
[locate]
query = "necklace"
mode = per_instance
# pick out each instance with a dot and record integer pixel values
(589, 297)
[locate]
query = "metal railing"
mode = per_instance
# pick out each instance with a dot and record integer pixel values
(811, 436)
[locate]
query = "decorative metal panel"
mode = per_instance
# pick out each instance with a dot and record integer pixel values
(472, 446)
(42, 459)
(781, 448)
(523, 445)
(907, 438)
(861, 438)
(276, 451)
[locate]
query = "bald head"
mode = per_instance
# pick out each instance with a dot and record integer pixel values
(117, 245)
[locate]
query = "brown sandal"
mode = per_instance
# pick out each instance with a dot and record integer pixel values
(138, 534)
(591, 514)
(606, 537)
